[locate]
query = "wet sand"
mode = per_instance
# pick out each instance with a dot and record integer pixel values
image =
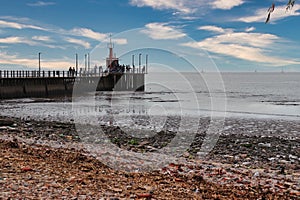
(253, 159)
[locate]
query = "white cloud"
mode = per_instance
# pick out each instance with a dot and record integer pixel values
(8, 24)
(6, 58)
(161, 31)
(215, 29)
(41, 4)
(178, 5)
(242, 45)
(226, 4)
(42, 38)
(186, 9)
(88, 33)
(120, 41)
(279, 13)
(17, 40)
(36, 41)
(81, 32)
(78, 42)
(250, 29)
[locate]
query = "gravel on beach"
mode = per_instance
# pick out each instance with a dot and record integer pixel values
(253, 159)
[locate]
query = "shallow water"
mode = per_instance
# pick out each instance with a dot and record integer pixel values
(189, 95)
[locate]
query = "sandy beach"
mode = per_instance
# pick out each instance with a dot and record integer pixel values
(41, 160)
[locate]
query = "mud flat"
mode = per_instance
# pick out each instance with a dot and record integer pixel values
(253, 159)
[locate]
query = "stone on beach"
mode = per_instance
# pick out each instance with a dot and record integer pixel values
(63, 170)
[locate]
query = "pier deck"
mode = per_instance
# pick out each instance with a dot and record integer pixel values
(28, 84)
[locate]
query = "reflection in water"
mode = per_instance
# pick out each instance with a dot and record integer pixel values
(252, 95)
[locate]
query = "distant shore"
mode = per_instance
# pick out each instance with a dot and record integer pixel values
(247, 162)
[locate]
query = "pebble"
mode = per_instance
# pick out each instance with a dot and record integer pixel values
(117, 190)
(256, 174)
(229, 174)
(129, 187)
(264, 144)
(144, 195)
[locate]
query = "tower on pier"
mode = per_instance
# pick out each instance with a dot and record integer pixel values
(111, 60)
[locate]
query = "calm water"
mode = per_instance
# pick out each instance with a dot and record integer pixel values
(254, 95)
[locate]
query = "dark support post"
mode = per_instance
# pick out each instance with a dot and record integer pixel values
(133, 63)
(76, 63)
(39, 63)
(146, 64)
(140, 57)
(89, 60)
(85, 63)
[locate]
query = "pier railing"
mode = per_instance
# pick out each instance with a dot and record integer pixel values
(57, 73)
(34, 74)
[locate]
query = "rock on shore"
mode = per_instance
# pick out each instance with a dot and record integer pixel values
(38, 161)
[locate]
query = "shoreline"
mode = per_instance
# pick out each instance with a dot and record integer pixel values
(240, 159)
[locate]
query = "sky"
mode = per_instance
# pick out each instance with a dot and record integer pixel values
(232, 34)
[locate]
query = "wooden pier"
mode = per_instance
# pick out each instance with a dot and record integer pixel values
(28, 84)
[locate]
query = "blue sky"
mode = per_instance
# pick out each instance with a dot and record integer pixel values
(232, 32)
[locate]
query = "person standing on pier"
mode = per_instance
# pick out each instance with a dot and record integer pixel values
(74, 72)
(70, 71)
